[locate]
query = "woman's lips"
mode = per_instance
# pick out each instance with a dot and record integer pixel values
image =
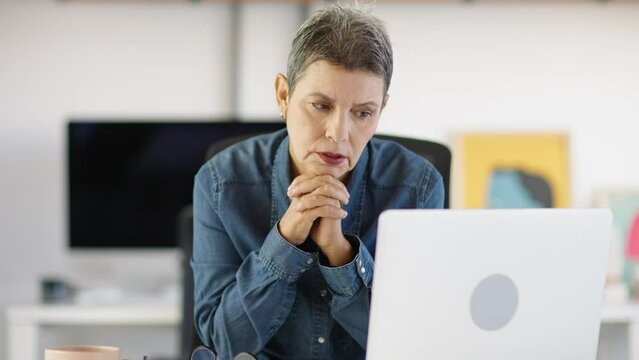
(332, 159)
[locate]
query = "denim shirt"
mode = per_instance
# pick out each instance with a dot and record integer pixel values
(256, 292)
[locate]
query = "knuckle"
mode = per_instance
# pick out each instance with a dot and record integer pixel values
(328, 210)
(311, 199)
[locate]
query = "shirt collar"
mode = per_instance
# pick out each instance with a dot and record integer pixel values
(280, 181)
(356, 187)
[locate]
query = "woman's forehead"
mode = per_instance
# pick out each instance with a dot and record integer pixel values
(336, 82)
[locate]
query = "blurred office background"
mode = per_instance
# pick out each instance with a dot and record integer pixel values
(568, 66)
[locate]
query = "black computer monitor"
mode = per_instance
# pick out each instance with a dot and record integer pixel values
(128, 181)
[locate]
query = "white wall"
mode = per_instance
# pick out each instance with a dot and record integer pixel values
(569, 67)
(457, 67)
(67, 59)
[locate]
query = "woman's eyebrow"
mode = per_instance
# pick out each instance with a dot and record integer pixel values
(369, 104)
(322, 95)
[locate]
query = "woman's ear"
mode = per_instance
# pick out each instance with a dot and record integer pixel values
(281, 93)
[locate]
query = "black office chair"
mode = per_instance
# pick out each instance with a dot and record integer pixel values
(188, 337)
(438, 154)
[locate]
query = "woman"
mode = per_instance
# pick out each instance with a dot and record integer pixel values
(285, 223)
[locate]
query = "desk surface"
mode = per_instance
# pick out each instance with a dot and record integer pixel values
(171, 314)
(25, 321)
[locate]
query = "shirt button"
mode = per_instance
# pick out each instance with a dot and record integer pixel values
(323, 293)
(309, 261)
(363, 270)
(321, 340)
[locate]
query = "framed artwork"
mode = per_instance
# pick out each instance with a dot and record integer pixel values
(623, 263)
(521, 170)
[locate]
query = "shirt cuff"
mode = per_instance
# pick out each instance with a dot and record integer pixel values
(284, 259)
(348, 279)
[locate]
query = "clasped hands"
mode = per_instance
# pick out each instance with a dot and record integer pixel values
(315, 210)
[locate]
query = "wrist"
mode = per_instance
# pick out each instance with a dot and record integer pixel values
(339, 253)
(289, 237)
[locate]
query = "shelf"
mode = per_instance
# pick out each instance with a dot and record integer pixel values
(138, 314)
(619, 313)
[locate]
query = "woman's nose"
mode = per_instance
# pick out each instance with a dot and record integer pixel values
(337, 128)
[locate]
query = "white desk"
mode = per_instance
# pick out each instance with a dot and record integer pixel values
(626, 314)
(25, 321)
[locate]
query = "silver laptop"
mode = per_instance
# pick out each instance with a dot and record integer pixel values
(488, 284)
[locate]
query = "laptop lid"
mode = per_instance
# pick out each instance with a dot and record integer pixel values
(488, 284)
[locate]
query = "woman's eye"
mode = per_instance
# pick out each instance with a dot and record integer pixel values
(364, 114)
(320, 106)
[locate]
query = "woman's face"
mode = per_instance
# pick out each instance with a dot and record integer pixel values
(330, 117)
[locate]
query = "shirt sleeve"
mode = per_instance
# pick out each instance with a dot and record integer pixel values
(239, 304)
(350, 286)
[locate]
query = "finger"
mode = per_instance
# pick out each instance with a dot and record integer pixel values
(323, 189)
(332, 180)
(299, 179)
(325, 211)
(332, 192)
(312, 201)
(305, 183)
(327, 185)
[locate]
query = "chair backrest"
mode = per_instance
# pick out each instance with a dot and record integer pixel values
(188, 338)
(438, 154)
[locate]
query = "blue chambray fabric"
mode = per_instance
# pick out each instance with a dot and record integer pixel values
(256, 292)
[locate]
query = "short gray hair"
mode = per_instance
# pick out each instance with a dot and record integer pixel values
(345, 37)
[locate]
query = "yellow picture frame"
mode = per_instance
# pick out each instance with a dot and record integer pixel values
(511, 170)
